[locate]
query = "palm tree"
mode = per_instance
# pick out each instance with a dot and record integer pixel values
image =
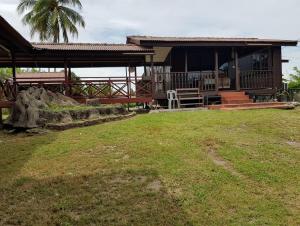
(52, 19)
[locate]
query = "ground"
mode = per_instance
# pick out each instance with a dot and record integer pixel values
(183, 168)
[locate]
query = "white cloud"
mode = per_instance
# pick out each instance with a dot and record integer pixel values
(112, 20)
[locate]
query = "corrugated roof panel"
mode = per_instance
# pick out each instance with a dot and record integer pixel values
(92, 47)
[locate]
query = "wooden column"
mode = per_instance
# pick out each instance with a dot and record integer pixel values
(185, 61)
(135, 80)
(237, 71)
(1, 120)
(15, 87)
(127, 82)
(66, 71)
(66, 78)
(13, 60)
(277, 68)
(152, 76)
(69, 74)
(70, 81)
(217, 69)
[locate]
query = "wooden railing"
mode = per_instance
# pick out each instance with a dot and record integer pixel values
(204, 81)
(256, 79)
(92, 87)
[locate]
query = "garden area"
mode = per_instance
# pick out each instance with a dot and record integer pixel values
(178, 168)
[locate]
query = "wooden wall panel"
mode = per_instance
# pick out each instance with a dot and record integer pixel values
(277, 67)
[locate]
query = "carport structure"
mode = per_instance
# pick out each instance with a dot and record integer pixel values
(16, 51)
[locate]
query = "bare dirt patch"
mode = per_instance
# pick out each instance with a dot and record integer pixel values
(154, 186)
(219, 161)
(294, 144)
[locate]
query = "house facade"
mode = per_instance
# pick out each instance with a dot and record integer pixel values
(210, 65)
(214, 64)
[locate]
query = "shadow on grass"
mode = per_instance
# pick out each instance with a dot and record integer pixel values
(17, 149)
(118, 198)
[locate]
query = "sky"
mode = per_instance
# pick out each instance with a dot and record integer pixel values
(112, 20)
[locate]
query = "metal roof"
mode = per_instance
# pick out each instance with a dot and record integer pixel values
(140, 40)
(92, 47)
(11, 37)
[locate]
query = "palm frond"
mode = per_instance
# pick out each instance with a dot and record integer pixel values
(75, 3)
(52, 19)
(25, 5)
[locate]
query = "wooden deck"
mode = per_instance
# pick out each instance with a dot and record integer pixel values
(251, 106)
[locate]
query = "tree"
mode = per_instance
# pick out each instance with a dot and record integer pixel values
(294, 82)
(6, 73)
(52, 19)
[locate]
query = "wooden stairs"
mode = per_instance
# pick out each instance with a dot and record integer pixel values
(235, 98)
(241, 101)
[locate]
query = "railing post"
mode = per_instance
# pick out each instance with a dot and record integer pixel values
(110, 87)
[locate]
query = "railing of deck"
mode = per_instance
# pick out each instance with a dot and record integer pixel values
(204, 81)
(87, 87)
(256, 79)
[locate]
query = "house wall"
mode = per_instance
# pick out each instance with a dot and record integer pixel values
(277, 67)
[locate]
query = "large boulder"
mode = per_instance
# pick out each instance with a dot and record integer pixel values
(29, 103)
(37, 107)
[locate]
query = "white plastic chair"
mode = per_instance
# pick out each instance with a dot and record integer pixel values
(172, 98)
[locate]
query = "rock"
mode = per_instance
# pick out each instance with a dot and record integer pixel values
(26, 111)
(33, 106)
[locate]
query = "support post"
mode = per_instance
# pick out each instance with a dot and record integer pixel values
(136, 81)
(237, 71)
(15, 87)
(217, 69)
(127, 83)
(152, 76)
(1, 120)
(70, 81)
(69, 74)
(66, 78)
(185, 61)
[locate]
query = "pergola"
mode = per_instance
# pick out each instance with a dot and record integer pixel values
(16, 51)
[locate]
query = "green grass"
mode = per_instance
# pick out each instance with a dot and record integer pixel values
(59, 108)
(184, 168)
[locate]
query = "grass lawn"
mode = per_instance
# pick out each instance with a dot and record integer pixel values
(184, 168)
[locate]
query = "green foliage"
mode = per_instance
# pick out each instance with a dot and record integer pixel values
(294, 82)
(6, 73)
(59, 108)
(52, 19)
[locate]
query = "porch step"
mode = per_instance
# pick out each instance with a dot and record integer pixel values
(232, 93)
(245, 106)
(234, 97)
(239, 101)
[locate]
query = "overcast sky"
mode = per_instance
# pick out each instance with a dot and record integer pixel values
(112, 20)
